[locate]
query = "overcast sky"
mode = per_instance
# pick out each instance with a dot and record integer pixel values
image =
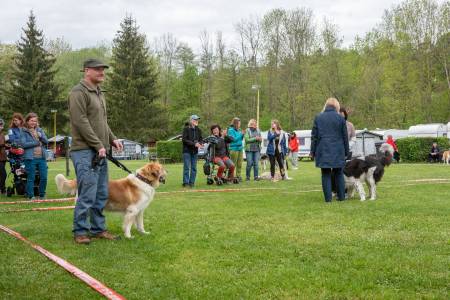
(86, 23)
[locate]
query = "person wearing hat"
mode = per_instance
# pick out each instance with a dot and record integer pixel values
(2, 158)
(192, 141)
(91, 137)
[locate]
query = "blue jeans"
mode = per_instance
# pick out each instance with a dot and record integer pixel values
(338, 174)
(30, 167)
(92, 193)
(189, 164)
(252, 161)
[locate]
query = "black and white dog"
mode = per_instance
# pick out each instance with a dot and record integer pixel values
(370, 169)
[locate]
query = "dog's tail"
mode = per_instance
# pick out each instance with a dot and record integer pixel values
(65, 186)
(59, 180)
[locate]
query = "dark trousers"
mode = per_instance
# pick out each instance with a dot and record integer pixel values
(335, 175)
(278, 157)
(2, 176)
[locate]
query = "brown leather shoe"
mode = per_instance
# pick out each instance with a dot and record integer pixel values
(82, 239)
(106, 235)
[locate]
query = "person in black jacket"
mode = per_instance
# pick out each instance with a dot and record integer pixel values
(435, 153)
(192, 140)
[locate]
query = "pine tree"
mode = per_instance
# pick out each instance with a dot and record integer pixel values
(133, 87)
(32, 87)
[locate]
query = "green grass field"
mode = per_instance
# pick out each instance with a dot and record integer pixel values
(282, 242)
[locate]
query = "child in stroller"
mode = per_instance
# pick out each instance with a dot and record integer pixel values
(217, 154)
(19, 174)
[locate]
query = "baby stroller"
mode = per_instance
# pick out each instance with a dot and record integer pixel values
(209, 167)
(19, 180)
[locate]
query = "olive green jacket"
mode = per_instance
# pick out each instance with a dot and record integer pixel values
(88, 121)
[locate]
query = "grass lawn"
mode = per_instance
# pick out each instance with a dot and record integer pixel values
(283, 242)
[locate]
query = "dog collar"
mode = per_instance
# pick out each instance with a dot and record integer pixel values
(142, 178)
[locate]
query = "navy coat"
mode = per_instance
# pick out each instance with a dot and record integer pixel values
(329, 139)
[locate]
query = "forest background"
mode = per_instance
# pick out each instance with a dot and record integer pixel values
(394, 76)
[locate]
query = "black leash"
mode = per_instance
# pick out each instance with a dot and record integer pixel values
(117, 163)
(98, 161)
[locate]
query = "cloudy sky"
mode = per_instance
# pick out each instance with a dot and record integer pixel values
(85, 23)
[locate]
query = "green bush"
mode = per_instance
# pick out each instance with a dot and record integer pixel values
(416, 149)
(170, 149)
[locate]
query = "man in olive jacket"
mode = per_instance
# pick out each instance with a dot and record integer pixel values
(91, 136)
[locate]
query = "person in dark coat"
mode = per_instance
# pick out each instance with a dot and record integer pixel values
(192, 141)
(329, 147)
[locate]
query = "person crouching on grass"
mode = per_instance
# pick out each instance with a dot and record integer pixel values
(221, 155)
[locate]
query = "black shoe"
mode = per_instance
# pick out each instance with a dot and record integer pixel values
(191, 185)
(185, 184)
(247, 179)
(257, 179)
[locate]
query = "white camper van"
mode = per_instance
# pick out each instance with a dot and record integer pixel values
(429, 130)
(304, 143)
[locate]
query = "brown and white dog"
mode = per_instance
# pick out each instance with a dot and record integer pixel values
(130, 195)
(446, 157)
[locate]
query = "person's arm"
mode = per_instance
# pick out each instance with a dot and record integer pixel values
(271, 136)
(345, 136)
(248, 139)
(27, 144)
(314, 138)
(185, 139)
(78, 114)
(42, 136)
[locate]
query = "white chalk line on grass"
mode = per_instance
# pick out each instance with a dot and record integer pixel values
(83, 276)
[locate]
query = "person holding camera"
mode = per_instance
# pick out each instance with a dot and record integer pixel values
(33, 140)
(192, 141)
(252, 149)
(276, 149)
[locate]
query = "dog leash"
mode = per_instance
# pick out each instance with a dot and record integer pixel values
(97, 160)
(117, 163)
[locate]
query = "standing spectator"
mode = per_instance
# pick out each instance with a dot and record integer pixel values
(236, 146)
(390, 141)
(351, 132)
(192, 140)
(252, 149)
(276, 149)
(91, 136)
(329, 148)
(2, 159)
(435, 153)
(15, 128)
(34, 142)
(293, 150)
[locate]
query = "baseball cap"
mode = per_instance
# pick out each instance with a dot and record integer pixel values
(195, 117)
(93, 63)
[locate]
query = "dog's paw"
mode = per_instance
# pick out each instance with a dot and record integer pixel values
(373, 199)
(362, 199)
(144, 232)
(129, 236)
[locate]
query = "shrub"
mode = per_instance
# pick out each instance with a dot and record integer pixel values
(170, 149)
(416, 149)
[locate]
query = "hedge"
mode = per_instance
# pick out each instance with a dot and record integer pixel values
(170, 149)
(416, 149)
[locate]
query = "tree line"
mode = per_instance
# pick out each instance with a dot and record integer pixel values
(396, 75)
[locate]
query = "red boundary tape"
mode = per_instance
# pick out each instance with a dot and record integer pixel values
(39, 201)
(86, 278)
(37, 209)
